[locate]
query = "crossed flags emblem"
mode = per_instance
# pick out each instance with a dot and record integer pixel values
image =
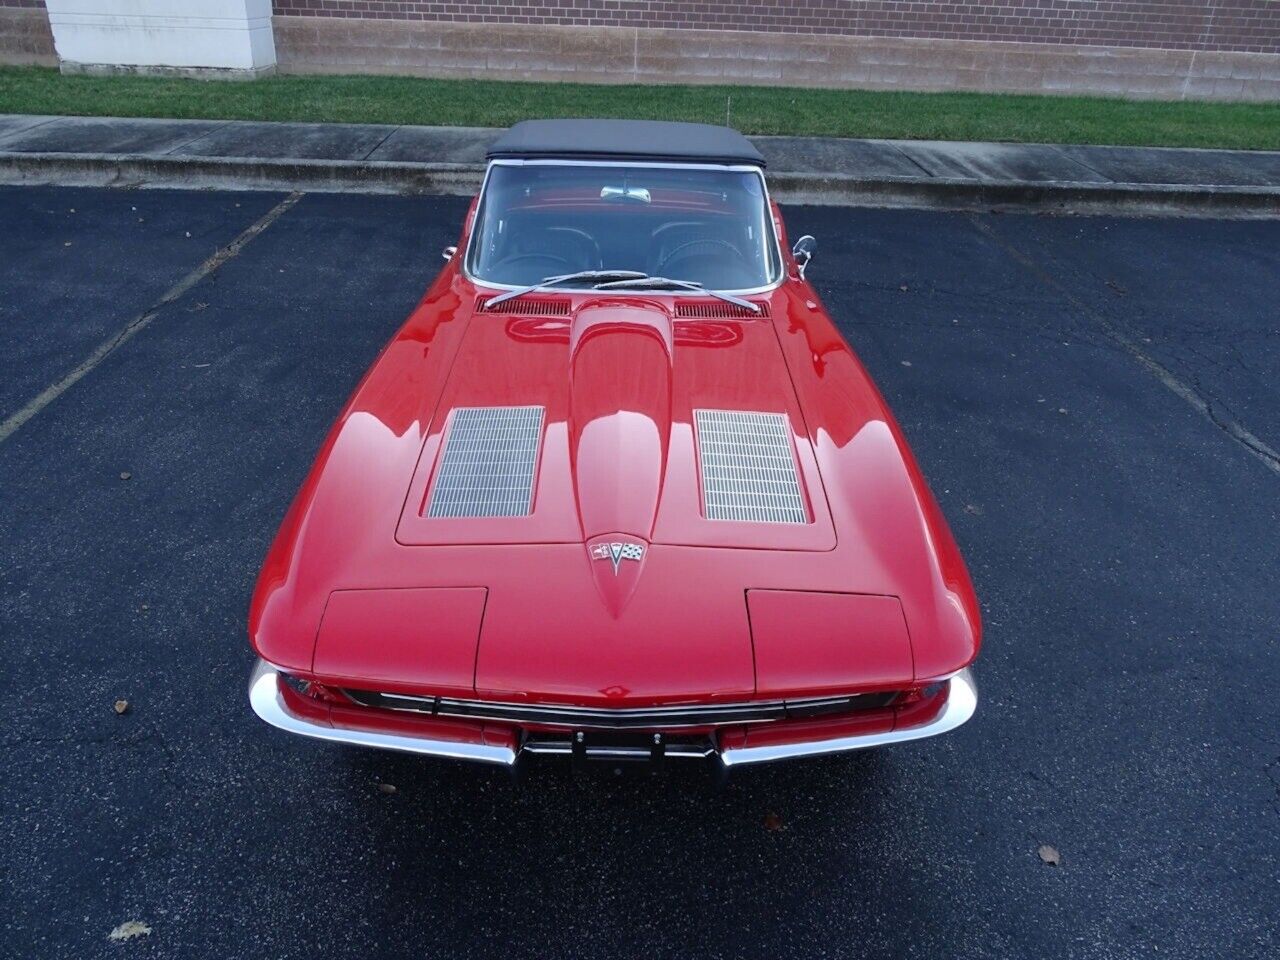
(616, 552)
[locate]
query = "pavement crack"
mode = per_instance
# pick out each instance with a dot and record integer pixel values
(1057, 148)
(378, 146)
(1189, 392)
(910, 159)
(196, 139)
(60, 386)
(21, 131)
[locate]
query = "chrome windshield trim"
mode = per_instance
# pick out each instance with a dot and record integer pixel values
(465, 261)
(962, 702)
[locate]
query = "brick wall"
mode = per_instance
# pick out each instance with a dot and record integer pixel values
(1170, 49)
(1247, 26)
(1227, 50)
(25, 37)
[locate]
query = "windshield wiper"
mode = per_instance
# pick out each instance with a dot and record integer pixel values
(621, 280)
(620, 275)
(643, 282)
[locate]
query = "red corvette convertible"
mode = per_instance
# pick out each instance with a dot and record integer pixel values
(617, 490)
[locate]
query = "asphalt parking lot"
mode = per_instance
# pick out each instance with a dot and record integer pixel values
(1091, 398)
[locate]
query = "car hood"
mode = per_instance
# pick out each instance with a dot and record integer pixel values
(609, 580)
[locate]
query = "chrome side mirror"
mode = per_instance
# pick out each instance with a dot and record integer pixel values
(803, 251)
(449, 252)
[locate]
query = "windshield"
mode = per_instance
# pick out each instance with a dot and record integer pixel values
(703, 225)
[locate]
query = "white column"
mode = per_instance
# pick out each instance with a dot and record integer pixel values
(209, 38)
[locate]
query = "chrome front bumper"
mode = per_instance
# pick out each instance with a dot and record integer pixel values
(269, 701)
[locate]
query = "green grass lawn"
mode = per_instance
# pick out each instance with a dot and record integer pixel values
(777, 110)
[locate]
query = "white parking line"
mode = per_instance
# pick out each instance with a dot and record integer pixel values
(1232, 427)
(138, 323)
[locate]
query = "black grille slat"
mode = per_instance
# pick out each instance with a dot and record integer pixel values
(719, 310)
(526, 307)
(622, 718)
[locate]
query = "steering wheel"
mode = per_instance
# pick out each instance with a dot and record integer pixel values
(689, 248)
(590, 244)
(554, 264)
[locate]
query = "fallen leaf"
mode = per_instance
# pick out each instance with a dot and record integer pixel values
(387, 788)
(125, 475)
(1062, 409)
(129, 930)
(1049, 855)
(188, 233)
(906, 363)
(1118, 290)
(122, 706)
(67, 244)
(903, 288)
(773, 822)
(973, 508)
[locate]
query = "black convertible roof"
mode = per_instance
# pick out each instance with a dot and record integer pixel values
(650, 140)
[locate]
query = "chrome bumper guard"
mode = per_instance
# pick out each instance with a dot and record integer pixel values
(269, 704)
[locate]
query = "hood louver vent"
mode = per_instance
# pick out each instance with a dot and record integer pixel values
(719, 310)
(748, 469)
(490, 456)
(526, 307)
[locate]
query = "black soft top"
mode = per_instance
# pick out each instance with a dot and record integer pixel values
(650, 140)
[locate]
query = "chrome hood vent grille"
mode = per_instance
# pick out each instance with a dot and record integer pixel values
(748, 468)
(487, 469)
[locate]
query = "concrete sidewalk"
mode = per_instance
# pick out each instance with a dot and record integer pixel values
(96, 151)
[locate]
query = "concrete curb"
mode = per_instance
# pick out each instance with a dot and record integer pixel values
(140, 171)
(1132, 199)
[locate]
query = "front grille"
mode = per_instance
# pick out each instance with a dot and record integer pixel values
(663, 718)
(490, 455)
(748, 469)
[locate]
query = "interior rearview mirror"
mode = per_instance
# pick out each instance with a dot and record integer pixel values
(624, 193)
(803, 251)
